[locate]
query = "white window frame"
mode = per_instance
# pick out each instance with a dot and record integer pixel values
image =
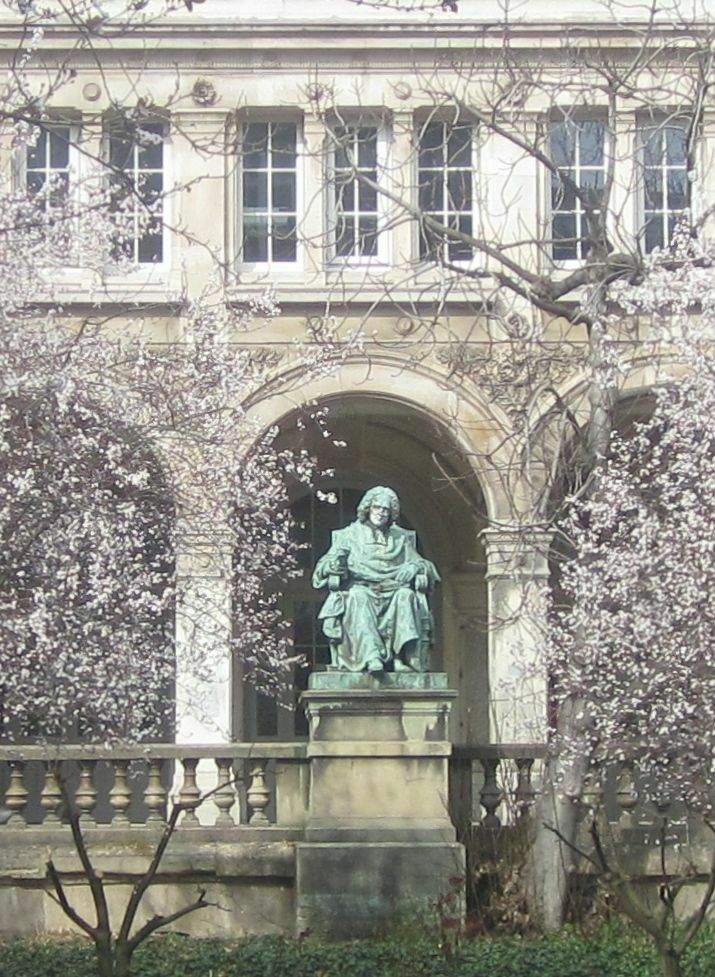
(354, 121)
(146, 268)
(421, 125)
(266, 118)
(575, 118)
(71, 121)
(658, 124)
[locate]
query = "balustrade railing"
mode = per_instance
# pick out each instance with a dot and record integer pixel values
(249, 785)
(492, 784)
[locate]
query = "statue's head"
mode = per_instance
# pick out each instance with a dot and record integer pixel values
(379, 506)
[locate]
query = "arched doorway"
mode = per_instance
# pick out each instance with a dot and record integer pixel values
(376, 440)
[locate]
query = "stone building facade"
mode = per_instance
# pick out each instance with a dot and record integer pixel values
(447, 397)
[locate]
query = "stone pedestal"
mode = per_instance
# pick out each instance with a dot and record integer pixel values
(380, 846)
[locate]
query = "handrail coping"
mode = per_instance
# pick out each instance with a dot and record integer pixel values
(499, 751)
(153, 751)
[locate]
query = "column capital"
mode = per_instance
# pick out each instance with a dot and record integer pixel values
(516, 552)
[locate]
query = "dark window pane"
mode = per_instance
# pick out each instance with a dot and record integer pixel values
(150, 187)
(368, 236)
(562, 197)
(255, 145)
(653, 233)
(653, 147)
(121, 152)
(459, 146)
(37, 154)
(60, 188)
(35, 182)
(284, 239)
(675, 145)
(255, 192)
(591, 142)
(563, 229)
(150, 147)
(677, 189)
(460, 190)
(283, 185)
(430, 193)
(592, 182)
(432, 144)
(344, 237)
(562, 142)
(255, 239)
(368, 198)
(653, 184)
(283, 145)
(367, 147)
(346, 195)
(150, 249)
(59, 147)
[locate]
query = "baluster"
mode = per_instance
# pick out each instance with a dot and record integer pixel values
(626, 795)
(85, 797)
(490, 795)
(524, 795)
(51, 795)
(155, 794)
(225, 796)
(258, 795)
(189, 793)
(16, 795)
(120, 796)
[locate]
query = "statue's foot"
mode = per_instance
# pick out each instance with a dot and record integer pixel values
(401, 666)
(374, 667)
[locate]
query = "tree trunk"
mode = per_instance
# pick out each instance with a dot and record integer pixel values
(552, 859)
(671, 963)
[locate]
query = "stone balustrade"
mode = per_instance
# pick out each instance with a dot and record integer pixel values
(249, 785)
(500, 775)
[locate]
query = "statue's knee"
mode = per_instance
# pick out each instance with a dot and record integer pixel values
(405, 595)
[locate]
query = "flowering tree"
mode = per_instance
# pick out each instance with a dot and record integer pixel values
(121, 437)
(632, 642)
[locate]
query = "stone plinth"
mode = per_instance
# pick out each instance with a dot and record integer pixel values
(379, 839)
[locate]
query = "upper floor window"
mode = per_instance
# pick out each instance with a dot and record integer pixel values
(446, 177)
(269, 192)
(47, 165)
(136, 161)
(355, 217)
(665, 184)
(577, 148)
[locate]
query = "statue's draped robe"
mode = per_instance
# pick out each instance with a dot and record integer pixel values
(372, 616)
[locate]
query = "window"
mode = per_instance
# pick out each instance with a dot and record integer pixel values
(45, 176)
(47, 166)
(577, 147)
(665, 181)
(136, 160)
(355, 203)
(269, 184)
(445, 177)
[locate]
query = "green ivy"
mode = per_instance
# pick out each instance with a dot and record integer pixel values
(612, 951)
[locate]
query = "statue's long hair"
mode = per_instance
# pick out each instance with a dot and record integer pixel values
(383, 495)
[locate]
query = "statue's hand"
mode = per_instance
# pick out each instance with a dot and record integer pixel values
(406, 574)
(422, 583)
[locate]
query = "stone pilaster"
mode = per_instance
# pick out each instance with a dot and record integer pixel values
(517, 576)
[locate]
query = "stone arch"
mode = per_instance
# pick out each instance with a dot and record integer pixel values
(406, 437)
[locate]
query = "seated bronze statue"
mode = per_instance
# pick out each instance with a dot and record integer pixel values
(376, 615)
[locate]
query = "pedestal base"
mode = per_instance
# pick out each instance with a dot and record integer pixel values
(347, 891)
(380, 845)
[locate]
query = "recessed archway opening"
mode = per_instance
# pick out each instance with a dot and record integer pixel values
(364, 441)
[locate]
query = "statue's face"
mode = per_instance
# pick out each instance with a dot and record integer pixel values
(379, 515)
